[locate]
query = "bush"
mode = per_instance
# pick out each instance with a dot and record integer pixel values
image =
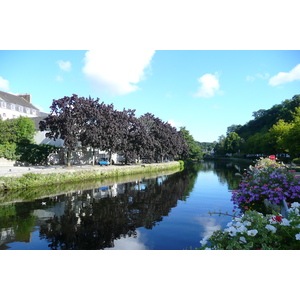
(254, 231)
(296, 161)
(34, 154)
(8, 151)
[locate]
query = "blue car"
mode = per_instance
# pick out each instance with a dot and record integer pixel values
(103, 163)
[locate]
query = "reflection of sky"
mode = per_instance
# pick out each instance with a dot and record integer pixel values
(209, 223)
(129, 243)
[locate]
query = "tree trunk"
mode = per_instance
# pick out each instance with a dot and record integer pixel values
(93, 157)
(69, 154)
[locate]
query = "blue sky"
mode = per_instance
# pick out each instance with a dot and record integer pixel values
(205, 91)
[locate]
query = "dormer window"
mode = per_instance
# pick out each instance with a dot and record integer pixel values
(3, 104)
(28, 110)
(20, 108)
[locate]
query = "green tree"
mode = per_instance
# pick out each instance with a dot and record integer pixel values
(278, 133)
(233, 143)
(195, 151)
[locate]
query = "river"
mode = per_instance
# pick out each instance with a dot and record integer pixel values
(161, 212)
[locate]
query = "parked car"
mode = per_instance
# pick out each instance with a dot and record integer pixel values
(103, 162)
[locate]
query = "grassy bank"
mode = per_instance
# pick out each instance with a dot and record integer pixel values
(69, 175)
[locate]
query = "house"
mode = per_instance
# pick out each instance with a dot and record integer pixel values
(13, 106)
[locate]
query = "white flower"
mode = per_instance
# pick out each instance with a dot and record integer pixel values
(297, 236)
(243, 240)
(231, 230)
(295, 204)
(252, 232)
(241, 229)
(285, 222)
(271, 228)
(247, 223)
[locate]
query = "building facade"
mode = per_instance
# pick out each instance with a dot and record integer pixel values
(13, 106)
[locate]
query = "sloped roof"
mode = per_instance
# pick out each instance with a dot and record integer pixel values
(17, 100)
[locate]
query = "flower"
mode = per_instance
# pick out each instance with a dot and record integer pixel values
(285, 222)
(271, 228)
(295, 205)
(265, 233)
(231, 230)
(252, 232)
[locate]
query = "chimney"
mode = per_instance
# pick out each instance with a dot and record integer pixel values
(27, 97)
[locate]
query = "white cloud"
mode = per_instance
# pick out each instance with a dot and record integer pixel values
(283, 77)
(263, 76)
(4, 84)
(250, 78)
(117, 71)
(258, 75)
(175, 123)
(64, 65)
(59, 78)
(209, 86)
(129, 243)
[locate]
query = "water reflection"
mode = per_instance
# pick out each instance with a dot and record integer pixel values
(120, 215)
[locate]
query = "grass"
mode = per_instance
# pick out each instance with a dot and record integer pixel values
(31, 180)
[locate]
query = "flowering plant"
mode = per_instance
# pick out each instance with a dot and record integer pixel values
(266, 181)
(254, 231)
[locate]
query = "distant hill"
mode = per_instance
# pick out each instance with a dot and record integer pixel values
(264, 119)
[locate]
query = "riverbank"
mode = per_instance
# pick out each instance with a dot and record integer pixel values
(12, 178)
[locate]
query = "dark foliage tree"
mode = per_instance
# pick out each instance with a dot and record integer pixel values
(66, 121)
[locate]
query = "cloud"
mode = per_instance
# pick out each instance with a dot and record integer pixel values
(250, 78)
(64, 65)
(59, 78)
(129, 243)
(4, 84)
(258, 75)
(283, 77)
(175, 123)
(117, 71)
(209, 86)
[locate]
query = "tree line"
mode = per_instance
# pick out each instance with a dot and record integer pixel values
(86, 122)
(272, 131)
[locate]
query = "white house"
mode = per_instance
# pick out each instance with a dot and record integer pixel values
(13, 106)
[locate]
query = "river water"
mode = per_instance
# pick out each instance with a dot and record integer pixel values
(153, 212)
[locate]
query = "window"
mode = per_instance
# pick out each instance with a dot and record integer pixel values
(12, 106)
(20, 108)
(34, 112)
(3, 104)
(27, 110)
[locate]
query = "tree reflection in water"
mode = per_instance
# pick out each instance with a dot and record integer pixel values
(94, 219)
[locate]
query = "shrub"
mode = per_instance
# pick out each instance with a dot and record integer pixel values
(296, 161)
(8, 151)
(34, 154)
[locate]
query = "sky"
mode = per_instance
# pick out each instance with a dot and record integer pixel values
(183, 82)
(204, 91)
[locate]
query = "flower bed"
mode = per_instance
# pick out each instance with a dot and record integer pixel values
(267, 181)
(254, 231)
